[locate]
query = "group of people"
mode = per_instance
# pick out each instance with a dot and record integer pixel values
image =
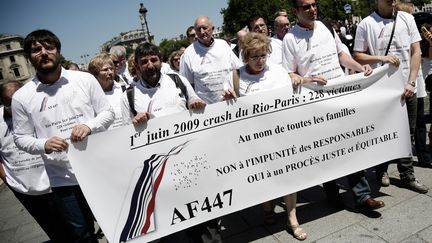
(59, 106)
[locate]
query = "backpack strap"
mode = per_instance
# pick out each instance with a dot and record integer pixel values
(130, 93)
(180, 85)
(329, 27)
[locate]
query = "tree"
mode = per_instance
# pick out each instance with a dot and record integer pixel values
(420, 3)
(64, 62)
(238, 12)
(166, 47)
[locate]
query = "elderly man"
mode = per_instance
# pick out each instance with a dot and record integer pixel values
(121, 64)
(281, 27)
(303, 46)
(208, 62)
(55, 107)
(372, 42)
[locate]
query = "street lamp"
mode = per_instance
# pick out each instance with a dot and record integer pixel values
(143, 12)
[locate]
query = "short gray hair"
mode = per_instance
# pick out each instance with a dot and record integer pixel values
(118, 51)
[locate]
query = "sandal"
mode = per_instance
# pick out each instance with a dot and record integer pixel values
(297, 232)
(269, 217)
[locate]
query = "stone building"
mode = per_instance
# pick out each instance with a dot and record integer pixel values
(13, 63)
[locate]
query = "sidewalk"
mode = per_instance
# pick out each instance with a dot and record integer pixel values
(407, 217)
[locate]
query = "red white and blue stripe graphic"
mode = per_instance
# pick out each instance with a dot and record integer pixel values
(141, 219)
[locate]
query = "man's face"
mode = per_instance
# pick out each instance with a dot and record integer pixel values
(260, 26)
(191, 35)
(306, 11)
(204, 31)
(149, 67)
(44, 57)
(282, 25)
(386, 3)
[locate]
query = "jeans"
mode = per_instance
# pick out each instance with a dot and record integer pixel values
(404, 165)
(77, 213)
(423, 153)
(44, 210)
(359, 187)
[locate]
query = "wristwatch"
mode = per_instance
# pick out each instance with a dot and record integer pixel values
(412, 83)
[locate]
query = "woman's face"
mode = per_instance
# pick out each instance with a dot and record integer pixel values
(106, 77)
(256, 61)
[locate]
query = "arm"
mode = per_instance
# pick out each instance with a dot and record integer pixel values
(102, 108)
(409, 88)
(2, 172)
(350, 63)
(185, 70)
(24, 128)
(194, 102)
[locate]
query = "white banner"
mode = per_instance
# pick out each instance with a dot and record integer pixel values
(143, 183)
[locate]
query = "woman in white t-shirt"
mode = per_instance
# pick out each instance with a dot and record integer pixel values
(257, 76)
(103, 68)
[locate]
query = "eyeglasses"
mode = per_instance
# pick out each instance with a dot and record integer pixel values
(191, 35)
(258, 58)
(308, 6)
(176, 59)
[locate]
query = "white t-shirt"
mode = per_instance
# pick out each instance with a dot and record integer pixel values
(42, 111)
(25, 173)
(114, 97)
(208, 68)
(276, 54)
(125, 75)
(373, 35)
(162, 100)
(312, 52)
(272, 77)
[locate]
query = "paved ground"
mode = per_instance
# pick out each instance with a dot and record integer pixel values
(407, 217)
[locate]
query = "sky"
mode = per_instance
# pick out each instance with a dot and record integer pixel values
(84, 25)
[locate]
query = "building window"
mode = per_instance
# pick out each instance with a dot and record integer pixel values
(8, 47)
(12, 58)
(16, 72)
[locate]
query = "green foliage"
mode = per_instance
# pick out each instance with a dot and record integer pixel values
(64, 62)
(238, 12)
(335, 8)
(420, 3)
(166, 47)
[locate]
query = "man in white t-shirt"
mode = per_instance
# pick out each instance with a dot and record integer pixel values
(312, 54)
(25, 173)
(53, 107)
(156, 93)
(281, 27)
(371, 41)
(208, 63)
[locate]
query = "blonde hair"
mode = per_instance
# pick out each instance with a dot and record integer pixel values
(97, 63)
(252, 42)
(405, 7)
(132, 68)
(171, 59)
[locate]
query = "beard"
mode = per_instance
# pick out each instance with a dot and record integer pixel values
(46, 69)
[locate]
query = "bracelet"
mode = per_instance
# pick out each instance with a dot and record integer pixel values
(412, 83)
